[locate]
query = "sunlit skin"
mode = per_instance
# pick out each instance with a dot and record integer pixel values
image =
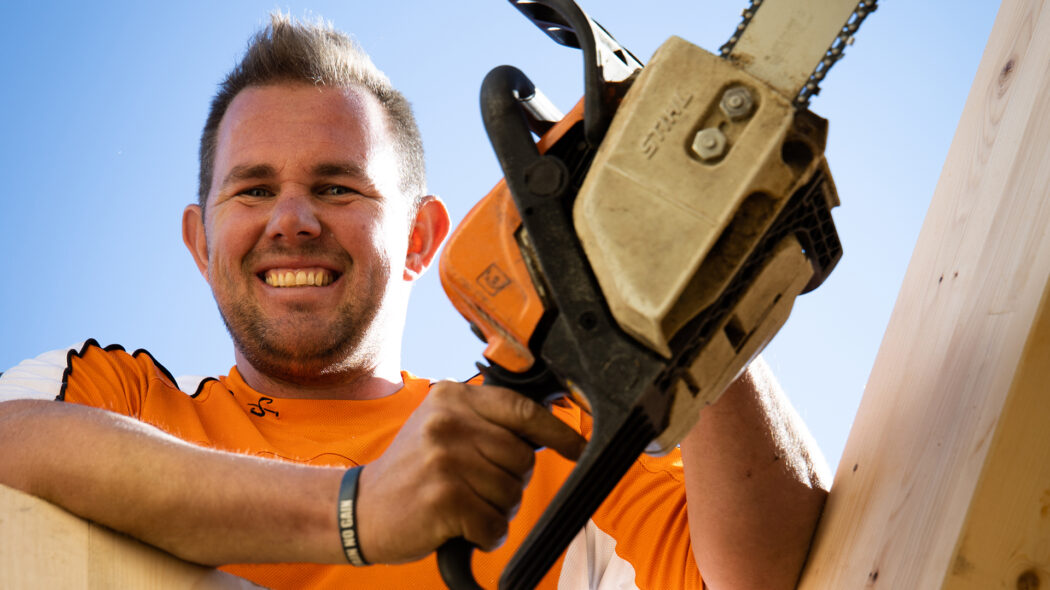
(309, 244)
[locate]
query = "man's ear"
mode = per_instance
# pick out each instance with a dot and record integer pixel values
(428, 232)
(193, 237)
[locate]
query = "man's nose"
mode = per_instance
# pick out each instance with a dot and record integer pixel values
(294, 216)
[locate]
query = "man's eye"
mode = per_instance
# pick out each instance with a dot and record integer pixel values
(255, 192)
(336, 190)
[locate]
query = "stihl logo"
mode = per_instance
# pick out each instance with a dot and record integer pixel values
(667, 121)
(493, 280)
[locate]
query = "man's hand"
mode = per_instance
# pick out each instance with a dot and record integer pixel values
(457, 468)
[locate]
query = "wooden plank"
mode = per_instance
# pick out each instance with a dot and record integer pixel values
(1005, 542)
(937, 396)
(43, 546)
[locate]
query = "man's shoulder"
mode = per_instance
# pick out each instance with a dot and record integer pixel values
(39, 377)
(47, 375)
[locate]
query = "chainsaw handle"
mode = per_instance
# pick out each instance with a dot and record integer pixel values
(453, 559)
(604, 59)
(454, 555)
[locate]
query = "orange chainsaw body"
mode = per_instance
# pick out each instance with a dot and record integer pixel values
(486, 276)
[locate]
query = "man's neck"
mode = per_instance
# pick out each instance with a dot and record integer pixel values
(354, 384)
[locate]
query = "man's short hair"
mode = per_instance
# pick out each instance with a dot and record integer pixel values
(290, 51)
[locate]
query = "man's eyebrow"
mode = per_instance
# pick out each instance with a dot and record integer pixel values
(246, 172)
(265, 171)
(340, 169)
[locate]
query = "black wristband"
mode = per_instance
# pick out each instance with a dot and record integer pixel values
(347, 517)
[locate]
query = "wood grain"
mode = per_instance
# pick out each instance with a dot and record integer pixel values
(1005, 541)
(43, 546)
(970, 301)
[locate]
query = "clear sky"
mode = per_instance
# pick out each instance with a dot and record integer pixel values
(103, 102)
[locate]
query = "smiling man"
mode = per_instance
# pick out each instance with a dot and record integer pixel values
(304, 236)
(317, 456)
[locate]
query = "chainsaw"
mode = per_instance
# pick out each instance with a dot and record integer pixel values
(653, 240)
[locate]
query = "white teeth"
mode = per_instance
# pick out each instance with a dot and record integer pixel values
(298, 278)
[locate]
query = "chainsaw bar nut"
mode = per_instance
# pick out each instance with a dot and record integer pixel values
(709, 144)
(547, 176)
(737, 103)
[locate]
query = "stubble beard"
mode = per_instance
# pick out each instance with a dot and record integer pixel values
(301, 349)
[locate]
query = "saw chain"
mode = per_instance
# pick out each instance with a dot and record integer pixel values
(832, 54)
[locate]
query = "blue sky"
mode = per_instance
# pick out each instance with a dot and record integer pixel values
(103, 103)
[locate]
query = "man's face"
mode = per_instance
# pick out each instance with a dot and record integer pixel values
(307, 231)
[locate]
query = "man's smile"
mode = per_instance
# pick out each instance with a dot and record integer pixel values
(299, 277)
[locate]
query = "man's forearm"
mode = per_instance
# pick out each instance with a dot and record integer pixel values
(756, 484)
(455, 469)
(202, 505)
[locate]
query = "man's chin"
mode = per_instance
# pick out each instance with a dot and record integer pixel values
(298, 369)
(303, 349)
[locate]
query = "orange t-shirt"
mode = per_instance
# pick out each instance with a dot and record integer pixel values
(638, 538)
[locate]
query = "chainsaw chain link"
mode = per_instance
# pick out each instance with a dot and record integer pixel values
(831, 56)
(835, 51)
(745, 19)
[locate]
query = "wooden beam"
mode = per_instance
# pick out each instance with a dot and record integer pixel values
(43, 546)
(945, 479)
(1005, 540)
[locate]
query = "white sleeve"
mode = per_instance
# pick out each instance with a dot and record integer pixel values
(591, 562)
(190, 384)
(37, 378)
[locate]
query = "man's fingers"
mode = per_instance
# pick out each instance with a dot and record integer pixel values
(457, 468)
(465, 503)
(498, 489)
(507, 451)
(528, 419)
(486, 528)
(496, 465)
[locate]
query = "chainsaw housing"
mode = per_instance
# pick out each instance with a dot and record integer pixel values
(667, 225)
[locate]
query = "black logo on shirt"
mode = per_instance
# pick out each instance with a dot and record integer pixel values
(258, 409)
